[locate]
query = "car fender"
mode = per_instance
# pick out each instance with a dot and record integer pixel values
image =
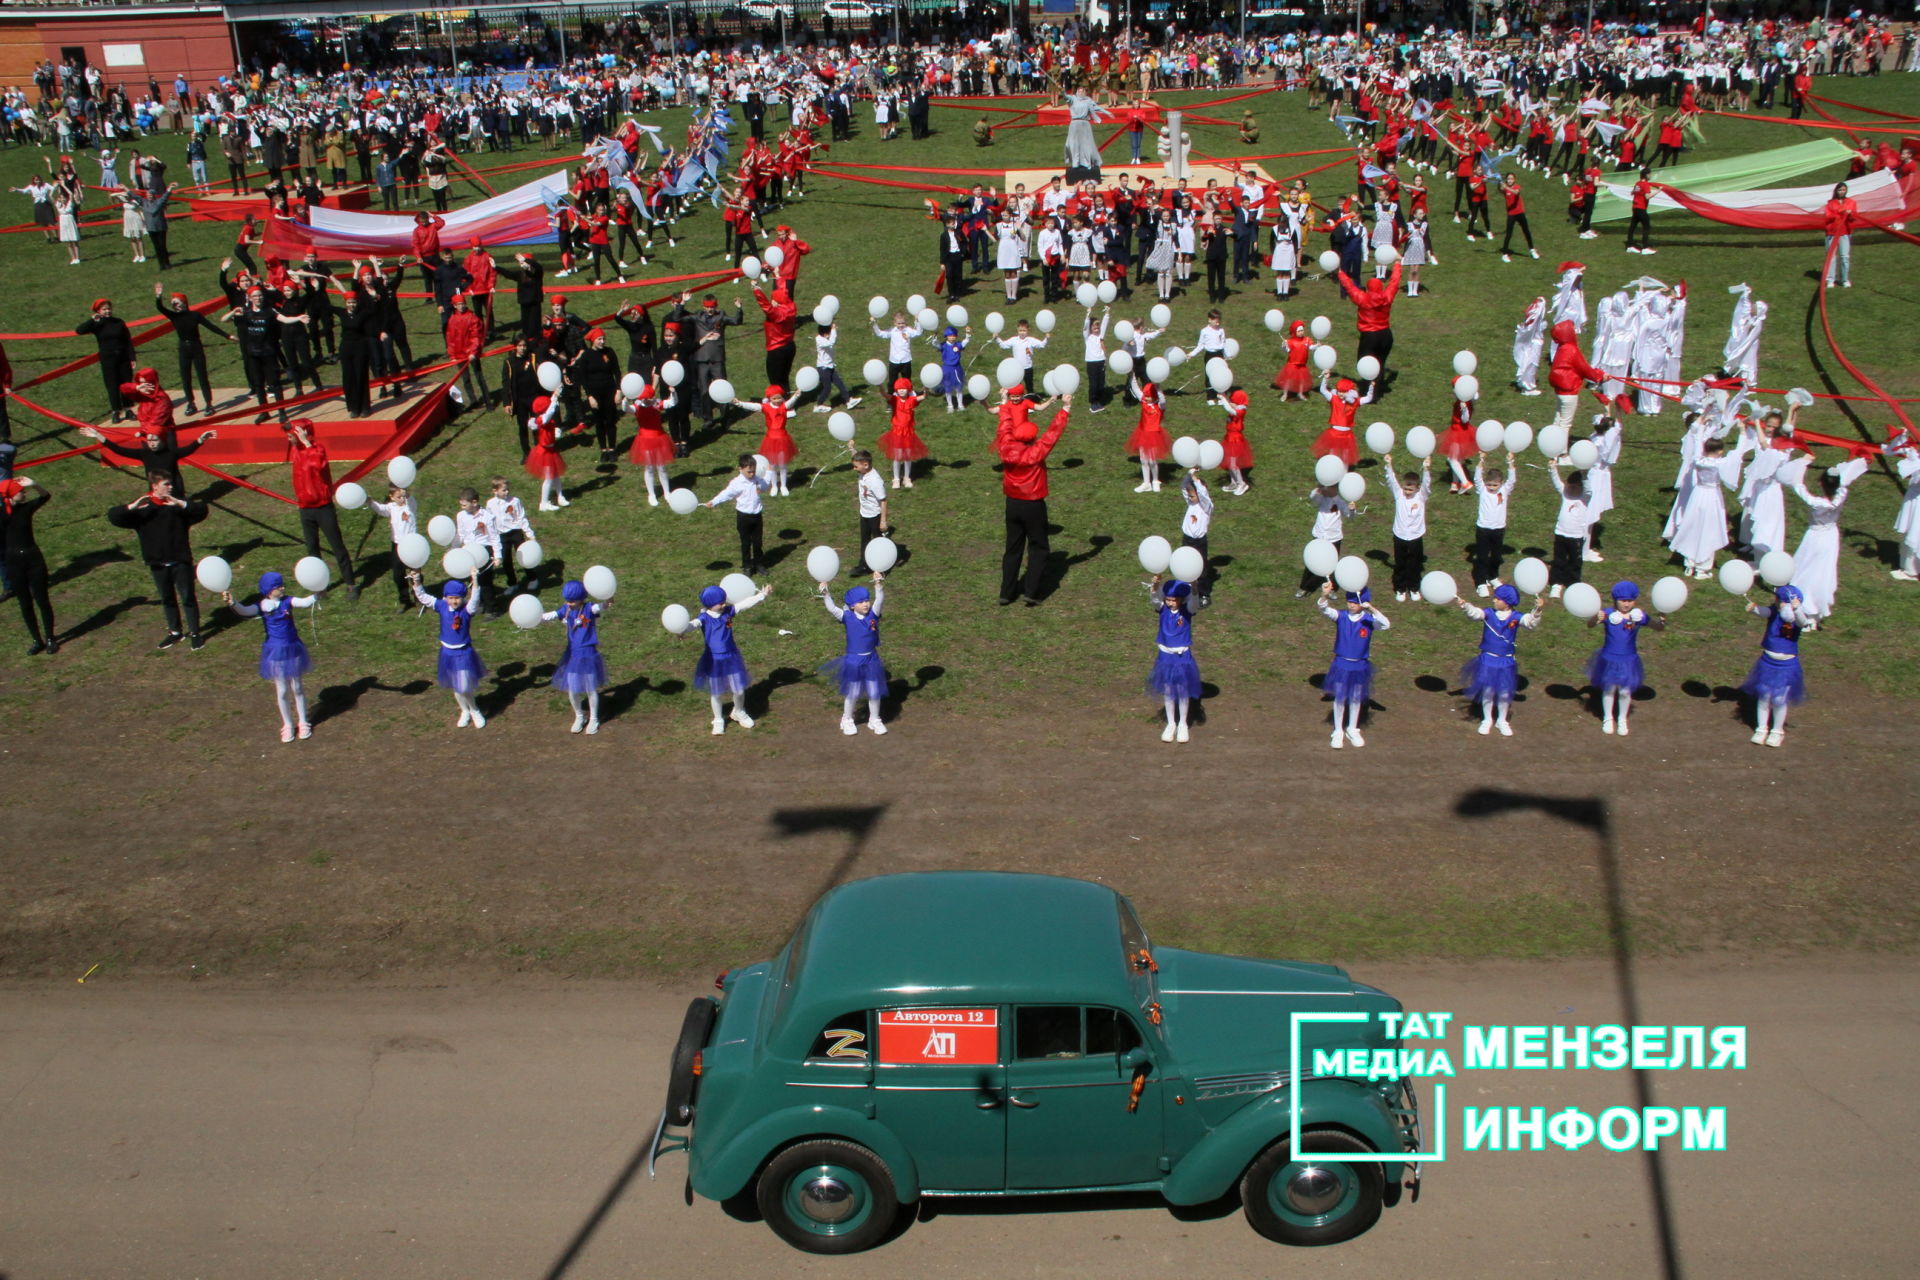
(1217, 1160)
(721, 1174)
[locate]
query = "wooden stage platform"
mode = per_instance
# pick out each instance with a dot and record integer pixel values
(1197, 175)
(224, 206)
(397, 425)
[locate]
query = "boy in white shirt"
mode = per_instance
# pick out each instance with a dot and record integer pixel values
(1569, 529)
(1410, 494)
(1195, 524)
(1490, 526)
(899, 346)
(1211, 342)
(403, 518)
(870, 496)
(824, 340)
(475, 534)
(744, 491)
(1094, 338)
(1329, 523)
(1023, 344)
(509, 519)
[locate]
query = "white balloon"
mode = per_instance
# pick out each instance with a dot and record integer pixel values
(1123, 331)
(916, 303)
(1187, 564)
(823, 564)
(761, 466)
(549, 374)
(1799, 396)
(957, 316)
(1186, 452)
(1465, 363)
(525, 611)
(1161, 315)
(1219, 374)
(1581, 600)
(750, 267)
(979, 386)
(930, 376)
(882, 555)
(1518, 436)
(682, 502)
(1155, 551)
(877, 307)
(1176, 356)
(1489, 436)
(1107, 291)
(1380, 437)
(775, 255)
(1736, 577)
(1669, 595)
(1438, 588)
(1583, 454)
(1043, 320)
(830, 305)
(1275, 319)
(1368, 367)
(676, 619)
(213, 573)
(458, 563)
(1386, 255)
(1530, 575)
(1232, 349)
(720, 391)
(840, 427)
(1212, 455)
(1776, 568)
(1328, 468)
(1049, 382)
(822, 316)
(1353, 486)
(1350, 573)
(1067, 378)
(1551, 440)
(995, 322)
(530, 554)
(1320, 557)
(928, 319)
(1158, 370)
(350, 496)
(875, 372)
(807, 379)
(673, 373)
(1329, 262)
(402, 472)
(599, 582)
(1325, 357)
(1121, 363)
(1466, 387)
(442, 530)
(1320, 327)
(632, 385)
(1085, 295)
(738, 587)
(1009, 374)
(414, 551)
(1420, 441)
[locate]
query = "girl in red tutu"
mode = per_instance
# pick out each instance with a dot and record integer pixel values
(1343, 404)
(652, 447)
(543, 459)
(900, 442)
(1457, 443)
(1294, 380)
(776, 444)
(1238, 454)
(1149, 439)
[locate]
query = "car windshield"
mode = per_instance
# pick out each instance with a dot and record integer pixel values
(1138, 952)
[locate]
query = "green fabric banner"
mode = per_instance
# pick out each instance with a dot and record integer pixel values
(1749, 172)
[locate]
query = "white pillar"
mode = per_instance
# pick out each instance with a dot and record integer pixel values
(1176, 165)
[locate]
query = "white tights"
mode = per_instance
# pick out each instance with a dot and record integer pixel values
(1459, 472)
(549, 484)
(1013, 287)
(1239, 478)
(287, 691)
(902, 471)
(852, 701)
(1346, 713)
(1176, 709)
(1149, 472)
(1770, 714)
(592, 698)
(650, 473)
(1608, 697)
(466, 702)
(1494, 710)
(1165, 282)
(777, 474)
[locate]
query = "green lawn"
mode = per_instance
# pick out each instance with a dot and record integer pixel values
(1090, 640)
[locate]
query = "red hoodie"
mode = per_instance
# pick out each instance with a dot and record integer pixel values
(1023, 470)
(466, 333)
(312, 480)
(781, 314)
(426, 238)
(1570, 368)
(1375, 301)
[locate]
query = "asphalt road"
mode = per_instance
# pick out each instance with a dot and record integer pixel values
(176, 1130)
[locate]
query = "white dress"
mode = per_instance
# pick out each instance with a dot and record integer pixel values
(1907, 522)
(1079, 252)
(1763, 517)
(1183, 223)
(1415, 254)
(1529, 340)
(1013, 246)
(133, 223)
(1600, 474)
(69, 225)
(1698, 527)
(1286, 255)
(1816, 563)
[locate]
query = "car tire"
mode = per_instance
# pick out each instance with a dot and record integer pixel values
(681, 1082)
(1308, 1202)
(828, 1196)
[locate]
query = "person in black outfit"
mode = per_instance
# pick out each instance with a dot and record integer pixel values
(953, 256)
(359, 335)
(640, 336)
(153, 453)
(296, 354)
(116, 352)
(1216, 263)
(529, 287)
(520, 387)
(596, 369)
(257, 327)
(187, 324)
(397, 351)
(26, 568)
(162, 522)
(317, 277)
(449, 278)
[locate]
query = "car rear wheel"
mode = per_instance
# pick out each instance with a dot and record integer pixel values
(828, 1196)
(681, 1079)
(1307, 1201)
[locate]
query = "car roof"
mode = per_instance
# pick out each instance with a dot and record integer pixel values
(940, 937)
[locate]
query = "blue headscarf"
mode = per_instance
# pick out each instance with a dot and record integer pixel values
(859, 595)
(1178, 590)
(711, 596)
(574, 592)
(1507, 595)
(1626, 591)
(1788, 595)
(269, 581)
(454, 590)
(1363, 596)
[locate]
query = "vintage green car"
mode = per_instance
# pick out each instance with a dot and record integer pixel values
(986, 1034)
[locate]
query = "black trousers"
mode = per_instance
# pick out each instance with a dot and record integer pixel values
(401, 586)
(174, 582)
(1216, 279)
(518, 579)
(1377, 343)
(6, 422)
(1096, 383)
(27, 578)
(1488, 546)
(159, 238)
(193, 359)
(606, 419)
(1517, 220)
(354, 357)
(1477, 213)
(1026, 533)
(473, 385)
(1640, 222)
(1311, 581)
(116, 367)
(749, 528)
(1569, 554)
(317, 520)
(530, 318)
(869, 530)
(1204, 587)
(699, 377)
(263, 374)
(780, 367)
(1409, 563)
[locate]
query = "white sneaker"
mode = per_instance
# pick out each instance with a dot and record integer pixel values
(1606, 726)
(1506, 730)
(1592, 557)
(893, 484)
(652, 501)
(1353, 736)
(1534, 252)
(852, 401)
(908, 482)
(847, 726)
(479, 721)
(1145, 486)
(579, 722)
(1623, 726)
(1901, 575)
(785, 492)
(876, 726)
(719, 726)
(741, 718)
(1483, 589)
(1759, 735)
(1486, 727)
(1554, 594)
(548, 506)
(1775, 738)
(1401, 596)
(1156, 486)
(1166, 734)
(1180, 734)
(1338, 740)
(465, 716)
(1506, 257)
(562, 501)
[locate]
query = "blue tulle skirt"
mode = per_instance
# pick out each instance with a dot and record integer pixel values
(1773, 679)
(952, 378)
(1623, 671)
(1174, 675)
(857, 677)
(461, 669)
(580, 671)
(1488, 676)
(1349, 680)
(723, 675)
(283, 660)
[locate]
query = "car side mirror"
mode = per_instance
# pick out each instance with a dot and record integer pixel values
(1135, 1062)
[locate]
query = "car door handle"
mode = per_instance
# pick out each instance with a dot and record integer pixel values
(989, 1102)
(1022, 1103)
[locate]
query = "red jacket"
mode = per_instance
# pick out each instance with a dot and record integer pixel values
(1023, 467)
(1840, 217)
(312, 481)
(154, 409)
(466, 334)
(791, 251)
(481, 273)
(426, 238)
(781, 315)
(1375, 301)
(1570, 368)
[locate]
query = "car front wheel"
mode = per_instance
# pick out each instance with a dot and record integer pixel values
(1306, 1200)
(828, 1196)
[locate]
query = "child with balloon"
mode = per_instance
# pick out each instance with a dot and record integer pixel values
(1410, 492)
(1493, 675)
(1458, 441)
(776, 442)
(900, 441)
(652, 447)
(953, 372)
(1295, 379)
(1343, 406)
(858, 672)
(403, 521)
(543, 459)
(1570, 527)
(581, 671)
(1149, 440)
(1776, 681)
(1493, 488)
(460, 669)
(1175, 677)
(1349, 679)
(283, 656)
(1615, 668)
(721, 673)
(1331, 509)
(1236, 455)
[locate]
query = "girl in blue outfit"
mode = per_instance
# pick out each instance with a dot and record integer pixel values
(953, 375)
(460, 667)
(1350, 678)
(1493, 675)
(1776, 681)
(582, 670)
(1615, 668)
(859, 671)
(283, 657)
(721, 671)
(1175, 678)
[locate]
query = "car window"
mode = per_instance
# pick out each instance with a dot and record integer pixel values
(1110, 1031)
(1047, 1032)
(844, 1039)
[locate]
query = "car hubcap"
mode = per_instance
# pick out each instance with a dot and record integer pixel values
(1307, 1194)
(1313, 1189)
(828, 1199)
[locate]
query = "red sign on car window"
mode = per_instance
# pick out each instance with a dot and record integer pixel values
(933, 1037)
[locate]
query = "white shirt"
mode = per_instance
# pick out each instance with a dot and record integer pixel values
(1199, 515)
(1022, 348)
(744, 492)
(1095, 335)
(1573, 518)
(899, 342)
(1410, 514)
(1493, 502)
(1332, 511)
(871, 493)
(475, 530)
(509, 515)
(404, 517)
(1212, 339)
(823, 344)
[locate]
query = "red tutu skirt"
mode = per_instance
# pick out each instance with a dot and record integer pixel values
(1237, 452)
(544, 461)
(902, 444)
(1150, 443)
(651, 449)
(1338, 442)
(1294, 379)
(1458, 442)
(777, 446)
